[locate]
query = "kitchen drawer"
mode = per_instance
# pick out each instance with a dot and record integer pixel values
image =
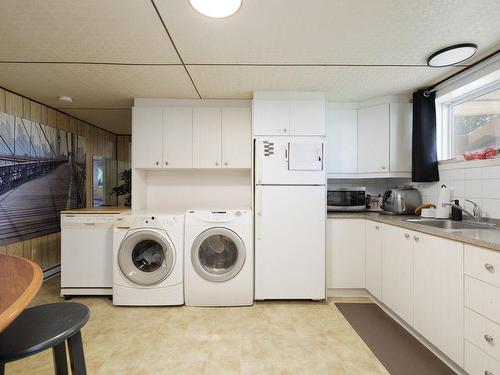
(483, 333)
(483, 298)
(478, 362)
(482, 264)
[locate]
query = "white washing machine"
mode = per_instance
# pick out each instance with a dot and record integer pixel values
(148, 260)
(218, 258)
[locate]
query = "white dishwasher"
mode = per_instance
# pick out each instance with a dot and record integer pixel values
(86, 254)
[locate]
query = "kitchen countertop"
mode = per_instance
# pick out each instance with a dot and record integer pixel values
(98, 210)
(487, 238)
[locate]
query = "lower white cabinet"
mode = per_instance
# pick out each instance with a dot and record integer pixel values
(438, 293)
(397, 258)
(373, 258)
(479, 363)
(345, 253)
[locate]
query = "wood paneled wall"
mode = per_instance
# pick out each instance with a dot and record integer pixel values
(46, 250)
(123, 154)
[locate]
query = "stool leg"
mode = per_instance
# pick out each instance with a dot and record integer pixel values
(76, 356)
(60, 361)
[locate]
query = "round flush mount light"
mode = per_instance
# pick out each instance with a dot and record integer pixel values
(452, 55)
(216, 8)
(66, 99)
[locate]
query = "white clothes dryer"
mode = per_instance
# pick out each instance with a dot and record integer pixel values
(148, 260)
(219, 258)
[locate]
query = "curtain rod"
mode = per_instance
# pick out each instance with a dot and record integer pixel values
(433, 88)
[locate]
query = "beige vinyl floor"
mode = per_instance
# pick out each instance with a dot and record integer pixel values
(289, 337)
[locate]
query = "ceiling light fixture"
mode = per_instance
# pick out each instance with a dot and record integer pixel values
(216, 8)
(452, 55)
(67, 99)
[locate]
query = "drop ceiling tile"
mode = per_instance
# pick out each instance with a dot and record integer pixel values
(118, 121)
(346, 84)
(89, 30)
(96, 86)
(331, 31)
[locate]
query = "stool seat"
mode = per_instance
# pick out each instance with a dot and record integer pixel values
(41, 327)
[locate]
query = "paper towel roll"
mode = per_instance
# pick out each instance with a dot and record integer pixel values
(444, 197)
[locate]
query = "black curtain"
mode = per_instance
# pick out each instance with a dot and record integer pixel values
(424, 152)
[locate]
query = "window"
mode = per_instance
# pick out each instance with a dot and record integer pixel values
(471, 123)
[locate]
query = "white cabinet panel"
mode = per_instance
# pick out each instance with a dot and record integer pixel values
(483, 264)
(483, 333)
(373, 258)
(438, 293)
(307, 117)
(271, 117)
(373, 139)
(482, 298)
(289, 266)
(342, 141)
(397, 261)
(345, 253)
(178, 137)
(147, 137)
(400, 137)
(207, 137)
(478, 362)
(236, 137)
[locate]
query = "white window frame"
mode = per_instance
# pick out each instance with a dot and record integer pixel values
(444, 119)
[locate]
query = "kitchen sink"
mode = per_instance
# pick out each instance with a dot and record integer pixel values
(452, 225)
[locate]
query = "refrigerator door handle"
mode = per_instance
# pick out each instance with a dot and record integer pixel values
(258, 233)
(259, 163)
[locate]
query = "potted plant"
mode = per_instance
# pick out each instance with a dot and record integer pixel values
(125, 188)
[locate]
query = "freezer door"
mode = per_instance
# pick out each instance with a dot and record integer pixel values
(289, 161)
(290, 242)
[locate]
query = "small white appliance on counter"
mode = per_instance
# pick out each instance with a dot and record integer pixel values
(219, 258)
(148, 260)
(86, 254)
(290, 203)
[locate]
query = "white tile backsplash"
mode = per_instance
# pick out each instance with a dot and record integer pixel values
(479, 183)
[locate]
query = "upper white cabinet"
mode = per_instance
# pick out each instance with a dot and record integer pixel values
(178, 137)
(307, 117)
(207, 137)
(147, 136)
(236, 133)
(438, 292)
(400, 137)
(345, 253)
(342, 141)
(397, 257)
(289, 117)
(271, 117)
(188, 136)
(373, 258)
(373, 139)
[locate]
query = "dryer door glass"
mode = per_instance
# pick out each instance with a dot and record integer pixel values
(218, 254)
(146, 257)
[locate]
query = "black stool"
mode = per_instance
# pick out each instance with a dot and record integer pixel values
(47, 326)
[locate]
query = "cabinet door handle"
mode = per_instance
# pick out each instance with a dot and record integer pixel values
(407, 236)
(377, 227)
(488, 338)
(157, 163)
(489, 267)
(284, 130)
(225, 163)
(487, 372)
(416, 238)
(216, 163)
(383, 167)
(166, 163)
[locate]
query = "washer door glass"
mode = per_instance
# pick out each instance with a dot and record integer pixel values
(146, 257)
(218, 254)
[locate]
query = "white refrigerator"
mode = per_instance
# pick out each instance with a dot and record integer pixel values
(290, 227)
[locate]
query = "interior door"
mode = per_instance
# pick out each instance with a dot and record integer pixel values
(290, 242)
(207, 122)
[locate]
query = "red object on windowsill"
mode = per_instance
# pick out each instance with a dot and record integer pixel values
(487, 153)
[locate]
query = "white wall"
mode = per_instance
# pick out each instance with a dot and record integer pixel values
(478, 181)
(198, 189)
(374, 186)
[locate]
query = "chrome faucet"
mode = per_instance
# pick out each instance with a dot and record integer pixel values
(476, 211)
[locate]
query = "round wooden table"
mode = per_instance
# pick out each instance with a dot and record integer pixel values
(20, 280)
